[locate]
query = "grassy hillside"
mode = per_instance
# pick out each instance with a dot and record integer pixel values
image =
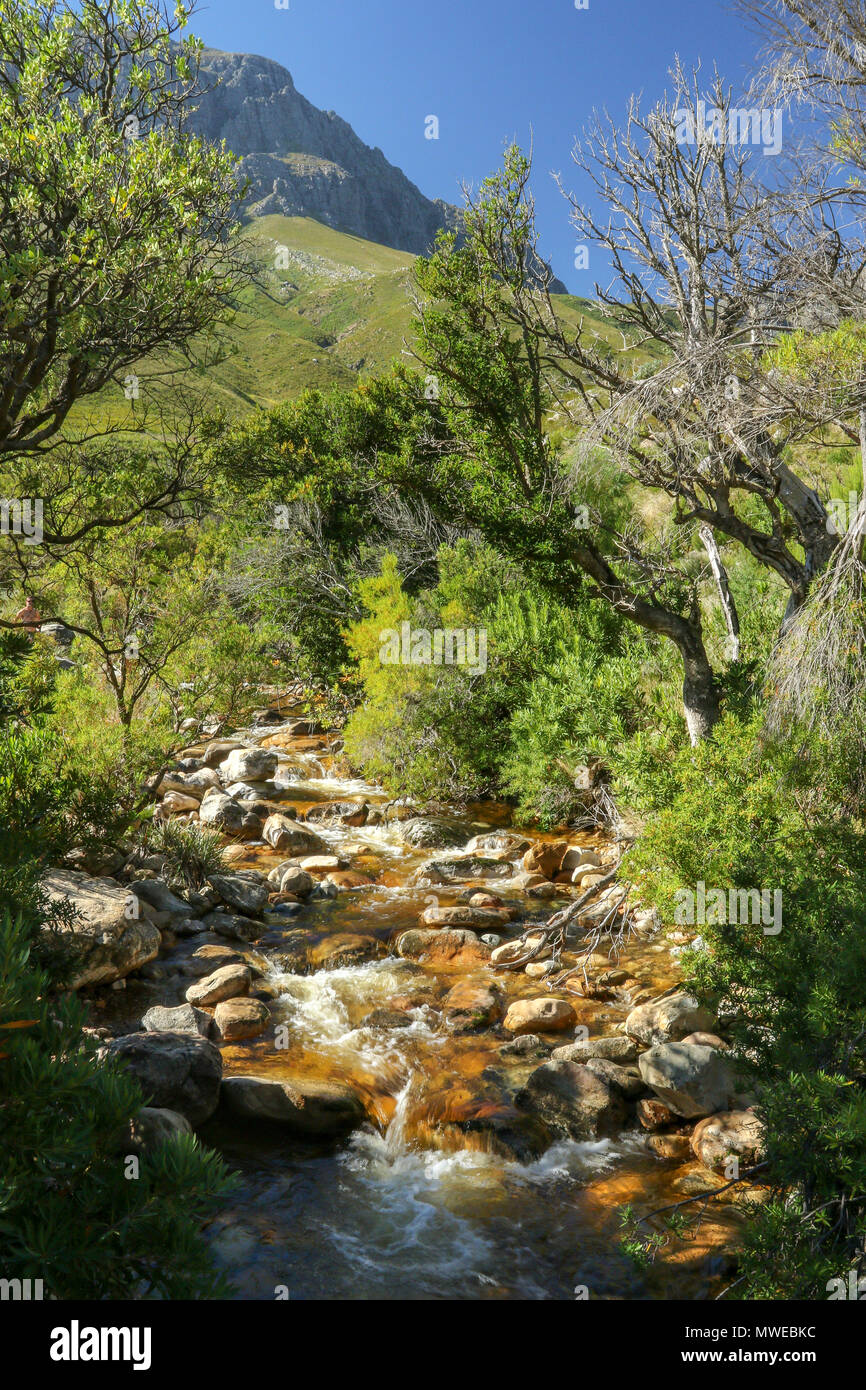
(328, 308)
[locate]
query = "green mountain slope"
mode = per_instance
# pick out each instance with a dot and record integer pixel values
(328, 307)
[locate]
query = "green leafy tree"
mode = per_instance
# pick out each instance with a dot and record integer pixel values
(115, 223)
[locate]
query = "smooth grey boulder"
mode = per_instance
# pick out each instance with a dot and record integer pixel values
(248, 765)
(160, 896)
(615, 1049)
(153, 1126)
(245, 892)
(181, 1019)
(691, 1080)
(573, 1101)
(304, 1107)
(669, 1019)
(174, 1070)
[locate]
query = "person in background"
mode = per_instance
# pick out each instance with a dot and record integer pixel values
(30, 617)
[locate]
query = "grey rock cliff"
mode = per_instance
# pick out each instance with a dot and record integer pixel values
(303, 162)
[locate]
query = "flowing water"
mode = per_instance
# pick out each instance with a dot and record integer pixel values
(443, 1193)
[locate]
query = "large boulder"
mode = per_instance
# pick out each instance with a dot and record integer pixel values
(443, 946)
(573, 1101)
(668, 1019)
(175, 1071)
(249, 765)
(226, 983)
(245, 892)
(691, 1080)
(283, 833)
(311, 1109)
(182, 1019)
(431, 832)
(547, 1015)
(103, 942)
(732, 1134)
(545, 857)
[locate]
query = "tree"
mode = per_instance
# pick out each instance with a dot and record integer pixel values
(115, 223)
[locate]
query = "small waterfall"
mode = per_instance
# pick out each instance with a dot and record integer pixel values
(395, 1134)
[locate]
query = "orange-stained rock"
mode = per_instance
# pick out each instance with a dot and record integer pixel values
(443, 946)
(545, 858)
(546, 1015)
(730, 1134)
(237, 1019)
(474, 1003)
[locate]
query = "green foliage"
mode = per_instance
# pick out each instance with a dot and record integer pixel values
(116, 222)
(192, 852)
(69, 1214)
(738, 814)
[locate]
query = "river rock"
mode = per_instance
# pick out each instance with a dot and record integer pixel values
(236, 1019)
(182, 1019)
(653, 1114)
(174, 1070)
(545, 1015)
(161, 897)
(226, 983)
(627, 1082)
(218, 750)
(443, 946)
(249, 765)
(498, 842)
(674, 1147)
(464, 869)
(475, 918)
(692, 1080)
(153, 1126)
(103, 943)
(526, 1045)
(669, 1019)
(296, 880)
(312, 1109)
(573, 1101)
(342, 949)
(246, 892)
(544, 858)
(731, 1134)
(575, 858)
(472, 1005)
(338, 812)
(221, 812)
(283, 833)
(616, 1049)
(431, 832)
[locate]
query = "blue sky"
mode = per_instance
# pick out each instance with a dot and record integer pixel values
(490, 70)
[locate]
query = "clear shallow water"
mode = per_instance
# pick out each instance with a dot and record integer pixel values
(419, 1204)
